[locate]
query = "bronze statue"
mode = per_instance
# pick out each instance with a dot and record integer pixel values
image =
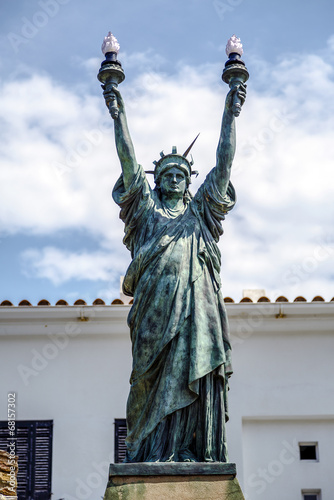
(177, 406)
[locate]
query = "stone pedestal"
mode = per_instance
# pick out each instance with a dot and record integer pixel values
(173, 481)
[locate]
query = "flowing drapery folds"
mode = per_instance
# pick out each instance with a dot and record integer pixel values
(177, 406)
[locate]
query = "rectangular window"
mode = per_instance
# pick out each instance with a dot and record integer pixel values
(34, 449)
(120, 436)
(308, 451)
(311, 494)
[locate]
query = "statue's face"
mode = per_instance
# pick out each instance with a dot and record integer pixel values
(173, 182)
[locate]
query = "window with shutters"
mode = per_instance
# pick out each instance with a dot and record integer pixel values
(120, 436)
(34, 449)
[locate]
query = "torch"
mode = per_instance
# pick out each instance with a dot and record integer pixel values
(111, 72)
(235, 71)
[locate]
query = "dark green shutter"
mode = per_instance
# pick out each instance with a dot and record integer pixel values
(34, 449)
(120, 436)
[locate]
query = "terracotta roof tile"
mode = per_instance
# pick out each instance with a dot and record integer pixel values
(281, 298)
(300, 299)
(264, 299)
(228, 299)
(99, 302)
(44, 302)
(6, 303)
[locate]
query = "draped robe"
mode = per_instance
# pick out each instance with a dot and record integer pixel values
(177, 406)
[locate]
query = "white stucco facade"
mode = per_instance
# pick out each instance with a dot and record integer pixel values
(71, 364)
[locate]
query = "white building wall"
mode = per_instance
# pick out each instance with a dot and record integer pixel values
(282, 393)
(272, 467)
(75, 371)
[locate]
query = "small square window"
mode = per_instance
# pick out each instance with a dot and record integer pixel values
(311, 494)
(308, 451)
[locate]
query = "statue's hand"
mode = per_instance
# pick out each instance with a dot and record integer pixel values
(112, 94)
(236, 98)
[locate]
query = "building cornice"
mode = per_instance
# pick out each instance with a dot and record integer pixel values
(257, 317)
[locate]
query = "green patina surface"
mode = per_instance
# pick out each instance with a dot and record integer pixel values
(177, 406)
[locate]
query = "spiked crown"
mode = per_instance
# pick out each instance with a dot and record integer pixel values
(174, 159)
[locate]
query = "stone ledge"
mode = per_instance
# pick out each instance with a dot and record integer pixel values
(173, 469)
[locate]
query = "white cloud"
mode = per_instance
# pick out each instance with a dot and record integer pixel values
(58, 166)
(60, 266)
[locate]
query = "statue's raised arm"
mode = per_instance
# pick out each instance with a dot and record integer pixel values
(124, 145)
(177, 405)
(227, 140)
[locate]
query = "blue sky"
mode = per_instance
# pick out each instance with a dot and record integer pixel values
(60, 235)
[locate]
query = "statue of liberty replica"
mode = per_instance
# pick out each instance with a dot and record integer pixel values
(177, 406)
